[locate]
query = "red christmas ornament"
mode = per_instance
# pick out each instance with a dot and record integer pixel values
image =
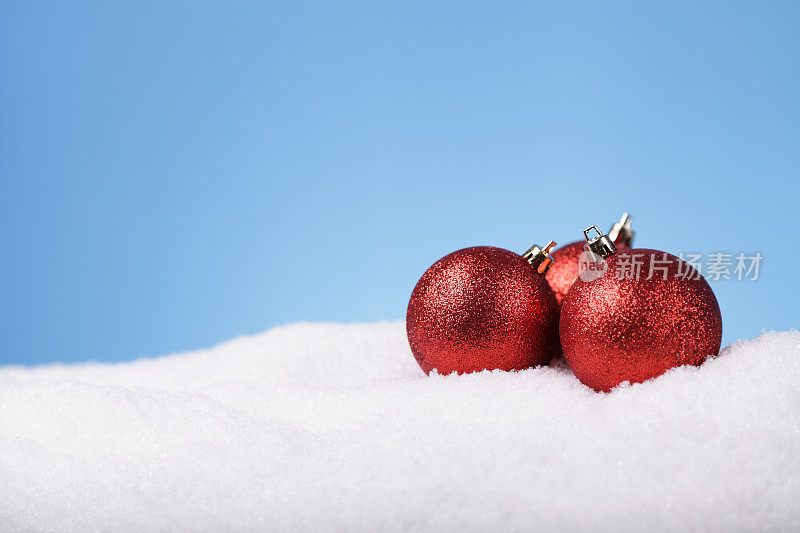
(565, 259)
(484, 308)
(633, 314)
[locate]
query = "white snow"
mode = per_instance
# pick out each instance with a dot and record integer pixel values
(319, 427)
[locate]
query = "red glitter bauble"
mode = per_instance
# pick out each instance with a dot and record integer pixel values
(623, 326)
(482, 308)
(564, 270)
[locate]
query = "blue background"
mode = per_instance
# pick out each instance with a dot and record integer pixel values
(174, 174)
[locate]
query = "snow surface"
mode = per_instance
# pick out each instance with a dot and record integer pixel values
(330, 427)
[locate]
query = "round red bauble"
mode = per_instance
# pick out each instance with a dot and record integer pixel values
(564, 270)
(623, 326)
(482, 308)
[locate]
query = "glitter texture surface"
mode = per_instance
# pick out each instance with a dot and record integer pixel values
(632, 329)
(482, 308)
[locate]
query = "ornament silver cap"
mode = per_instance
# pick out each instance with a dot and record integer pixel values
(540, 258)
(621, 232)
(600, 244)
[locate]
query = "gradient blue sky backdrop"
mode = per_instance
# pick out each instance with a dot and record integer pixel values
(173, 174)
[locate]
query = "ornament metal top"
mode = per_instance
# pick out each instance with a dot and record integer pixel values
(621, 233)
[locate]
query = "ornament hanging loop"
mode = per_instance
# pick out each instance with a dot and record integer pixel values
(540, 258)
(600, 244)
(621, 232)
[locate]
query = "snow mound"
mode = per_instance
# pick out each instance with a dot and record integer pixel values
(329, 427)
